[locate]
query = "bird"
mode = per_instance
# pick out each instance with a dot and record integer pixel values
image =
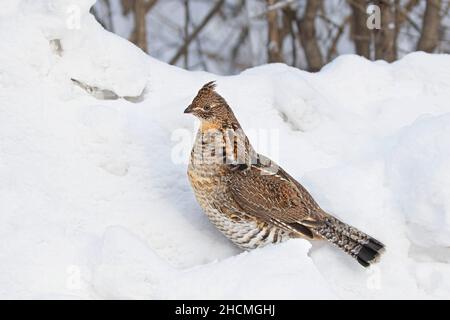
(252, 200)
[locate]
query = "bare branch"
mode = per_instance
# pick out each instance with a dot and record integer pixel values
(332, 51)
(214, 10)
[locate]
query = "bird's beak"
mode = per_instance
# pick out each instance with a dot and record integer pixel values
(188, 109)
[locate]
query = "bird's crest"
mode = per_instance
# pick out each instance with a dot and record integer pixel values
(210, 86)
(206, 90)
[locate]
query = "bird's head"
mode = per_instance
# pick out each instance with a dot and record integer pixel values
(211, 108)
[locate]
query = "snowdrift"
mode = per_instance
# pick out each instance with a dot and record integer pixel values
(94, 200)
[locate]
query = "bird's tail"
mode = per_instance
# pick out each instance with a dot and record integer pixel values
(365, 249)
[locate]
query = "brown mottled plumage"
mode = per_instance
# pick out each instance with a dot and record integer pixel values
(248, 197)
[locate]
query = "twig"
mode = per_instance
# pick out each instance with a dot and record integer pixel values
(199, 28)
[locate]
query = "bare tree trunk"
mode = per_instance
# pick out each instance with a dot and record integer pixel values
(429, 38)
(404, 12)
(187, 19)
(360, 33)
(139, 36)
(308, 39)
(274, 38)
(140, 9)
(385, 39)
(288, 30)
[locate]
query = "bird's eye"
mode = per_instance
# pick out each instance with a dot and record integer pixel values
(206, 107)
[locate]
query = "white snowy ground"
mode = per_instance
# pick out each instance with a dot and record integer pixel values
(94, 200)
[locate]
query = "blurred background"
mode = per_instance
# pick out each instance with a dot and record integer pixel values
(228, 36)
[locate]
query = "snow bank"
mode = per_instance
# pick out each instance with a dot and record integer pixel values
(94, 200)
(129, 269)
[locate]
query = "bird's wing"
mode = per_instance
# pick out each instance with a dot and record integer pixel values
(274, 197)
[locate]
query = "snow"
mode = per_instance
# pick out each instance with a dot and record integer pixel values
(130, 269)
(94, 199)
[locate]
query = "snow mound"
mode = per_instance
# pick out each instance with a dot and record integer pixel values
(130, 269)
(420, 173)
(94, 200)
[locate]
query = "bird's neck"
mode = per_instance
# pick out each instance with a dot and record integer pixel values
(231, 123)
(222, 144)
(207, 126)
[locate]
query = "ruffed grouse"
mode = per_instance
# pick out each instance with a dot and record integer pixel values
(249, 198)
